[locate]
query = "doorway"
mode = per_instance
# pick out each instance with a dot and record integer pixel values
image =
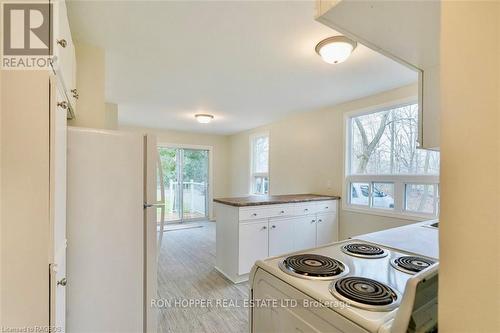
(183, 183)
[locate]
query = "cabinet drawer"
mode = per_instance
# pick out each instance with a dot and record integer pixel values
(326, 206)
(306, 208)
(254, 213)
(267, 211)
(281, 210)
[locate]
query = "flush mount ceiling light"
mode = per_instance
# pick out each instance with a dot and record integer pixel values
(336, 49)
(204, 118)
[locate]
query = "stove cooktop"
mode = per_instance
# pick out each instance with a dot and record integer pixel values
(313, 266)
(371, 287)
(365, 293)
(411, 264)
(364, 250)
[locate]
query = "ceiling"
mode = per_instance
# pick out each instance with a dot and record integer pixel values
(247, 63)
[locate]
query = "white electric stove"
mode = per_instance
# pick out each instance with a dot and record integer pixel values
(350, 286)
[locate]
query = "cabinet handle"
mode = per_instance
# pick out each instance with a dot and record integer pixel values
(62, 105)
(313, 221)
(62, 282)
(282, 212)
(306, 209)
(264, 228)
(254, 214)
(273, 226)
(320, 220)
(75, 93)
(326, 207)
(62, 42)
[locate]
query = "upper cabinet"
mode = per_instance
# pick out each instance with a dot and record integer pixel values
(406, 31)
(64, 59)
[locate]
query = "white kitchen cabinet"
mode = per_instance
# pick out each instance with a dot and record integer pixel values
(253, 245)
(305, 232)
(326, 228)
(33, 216)
(395, 29)
(250, 233)
(64, 58)
(281, 236)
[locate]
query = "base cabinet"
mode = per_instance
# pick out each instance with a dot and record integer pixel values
(245, 235)
(253, 244)
(326, 228)
(305, 231)
(281, 236)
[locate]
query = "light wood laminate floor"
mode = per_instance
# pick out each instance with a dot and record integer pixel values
(186, 271)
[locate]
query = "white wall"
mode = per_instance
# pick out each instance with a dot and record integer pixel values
(111, 116)
(219, 143)
(469, 272)
(307, 156)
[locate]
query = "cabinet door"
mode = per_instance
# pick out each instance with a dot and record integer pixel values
(281, 234)
(64, 50)
(253, 244)
(326, 228)
(304, 232)
(58, 209)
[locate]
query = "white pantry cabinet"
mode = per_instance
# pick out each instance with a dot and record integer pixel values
(33, 205)
(247, 234)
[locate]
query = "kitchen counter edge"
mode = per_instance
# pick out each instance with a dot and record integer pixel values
(273, 200)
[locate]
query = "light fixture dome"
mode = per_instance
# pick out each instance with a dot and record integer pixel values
(336, 49)
(204, 118)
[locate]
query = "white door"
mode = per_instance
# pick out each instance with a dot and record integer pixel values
(58, 210)
(253, 237)
(305, 232)
(281, 236)
(327, 228)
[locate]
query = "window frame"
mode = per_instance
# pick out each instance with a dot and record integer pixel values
(399, 180)
(253, 174)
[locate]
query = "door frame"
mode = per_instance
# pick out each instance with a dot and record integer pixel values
(210, 171)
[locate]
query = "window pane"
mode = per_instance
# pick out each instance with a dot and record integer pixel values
(261, 185)
(360, 194)
(261, 154)
(383, 195)
(385, 142)
(420, 198)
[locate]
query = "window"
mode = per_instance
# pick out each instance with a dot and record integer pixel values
(385, 171)
(259, 164)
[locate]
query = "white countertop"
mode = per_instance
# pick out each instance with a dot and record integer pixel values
(418, 238)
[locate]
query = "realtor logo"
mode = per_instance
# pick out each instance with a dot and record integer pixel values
(27, 32)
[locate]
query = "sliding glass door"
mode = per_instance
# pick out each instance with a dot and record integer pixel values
(185, 183)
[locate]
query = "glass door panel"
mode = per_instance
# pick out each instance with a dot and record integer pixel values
(170, 160)
(183, 183)
(194, 184)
